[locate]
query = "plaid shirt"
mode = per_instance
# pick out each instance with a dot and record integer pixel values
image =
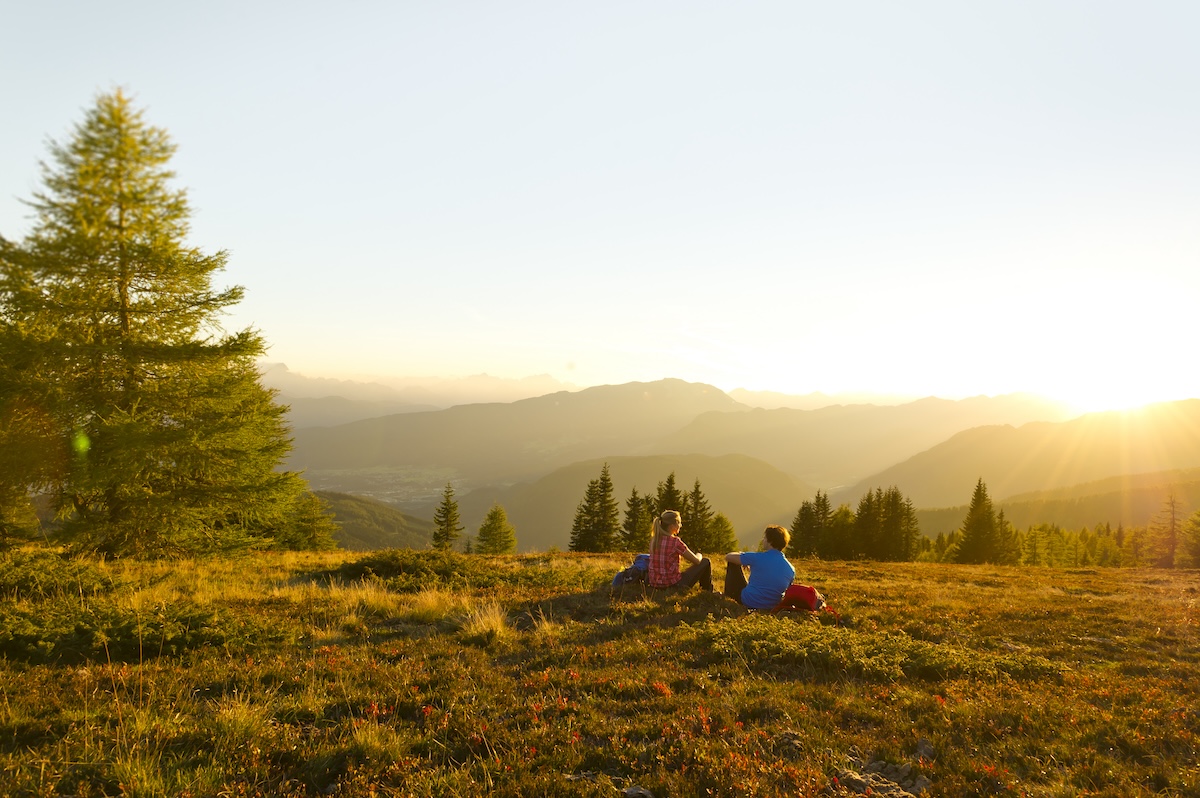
(664, 562)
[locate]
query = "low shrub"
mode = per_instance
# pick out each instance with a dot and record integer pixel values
(38, 574)
(62, 630)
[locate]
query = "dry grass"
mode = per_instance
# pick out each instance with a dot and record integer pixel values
(520, 676)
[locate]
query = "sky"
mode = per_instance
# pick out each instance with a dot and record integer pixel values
(924, 198)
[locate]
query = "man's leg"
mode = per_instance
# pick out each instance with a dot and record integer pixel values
(735, 581)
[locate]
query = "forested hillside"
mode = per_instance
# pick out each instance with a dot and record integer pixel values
(366, 525)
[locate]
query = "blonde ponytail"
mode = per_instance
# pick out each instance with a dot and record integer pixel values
(669, 519)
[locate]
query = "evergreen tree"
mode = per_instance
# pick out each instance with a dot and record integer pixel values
(1031, 552)
(496, 534)
(1191, 539)
(979, 537)
(697, 522)
(668, 496)
(840, 535)
(639, 516)
(823, 531)
(596, 527)
(110, 328)
(1166, 531)
(446, 526)
(868, 526)
(804, 532)
(721, 535)
(810, 532)
(1008, 542)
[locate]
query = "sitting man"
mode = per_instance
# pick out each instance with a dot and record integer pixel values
(770, 572)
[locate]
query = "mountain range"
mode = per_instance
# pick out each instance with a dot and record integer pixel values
(535, 456)
(1040, 456)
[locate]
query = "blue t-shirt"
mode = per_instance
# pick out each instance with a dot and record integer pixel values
(770, 575)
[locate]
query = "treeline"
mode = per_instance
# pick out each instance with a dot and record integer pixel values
(598, 525)
(1171, 540)
(885, 527)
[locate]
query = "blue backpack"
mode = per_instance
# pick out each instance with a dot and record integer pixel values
(634, 573)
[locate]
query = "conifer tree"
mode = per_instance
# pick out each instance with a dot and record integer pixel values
(899, 529)
(697, 520)
(868, 526)
(721, 535)
(803, 542)
(446, 526)
(979, 543)
(1166, 531)
(496, 534)
(840, 535)
(1008, 541)
(639, 516)
(596, 525)
(668, 496)
(109, 326)
(1191, 539)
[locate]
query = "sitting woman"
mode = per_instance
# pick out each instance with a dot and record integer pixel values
(665, 550)
(770, 572)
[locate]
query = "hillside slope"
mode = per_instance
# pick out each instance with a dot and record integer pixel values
(514, 441)
(841, 444)
(367, 525)
(1044, 456)
(1127, 500)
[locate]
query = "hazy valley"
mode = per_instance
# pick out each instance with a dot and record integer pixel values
(535, 455)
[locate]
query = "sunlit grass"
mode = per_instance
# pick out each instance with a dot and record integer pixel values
(520, 676)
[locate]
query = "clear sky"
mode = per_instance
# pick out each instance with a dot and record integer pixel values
(940, 198)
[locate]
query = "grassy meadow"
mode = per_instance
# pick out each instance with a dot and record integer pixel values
(408, 673)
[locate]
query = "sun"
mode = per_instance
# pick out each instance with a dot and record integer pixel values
(1103, 398)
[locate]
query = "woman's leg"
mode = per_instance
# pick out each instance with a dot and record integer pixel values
(735, 581)
(700, 572)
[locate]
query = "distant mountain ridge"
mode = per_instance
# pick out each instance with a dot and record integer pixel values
(514, 441)
(841, 444)
(1041, 456)
(539, 453)
(323, 401)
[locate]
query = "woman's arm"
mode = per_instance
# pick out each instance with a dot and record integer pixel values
(688, 554)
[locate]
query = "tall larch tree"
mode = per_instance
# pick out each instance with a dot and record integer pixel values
(1166, 532)
(167, 441)
(496, 534)
(446, 523)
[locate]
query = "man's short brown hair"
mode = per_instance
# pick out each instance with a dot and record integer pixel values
(778, 537)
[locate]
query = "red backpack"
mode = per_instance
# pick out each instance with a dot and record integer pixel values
(805, 597)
